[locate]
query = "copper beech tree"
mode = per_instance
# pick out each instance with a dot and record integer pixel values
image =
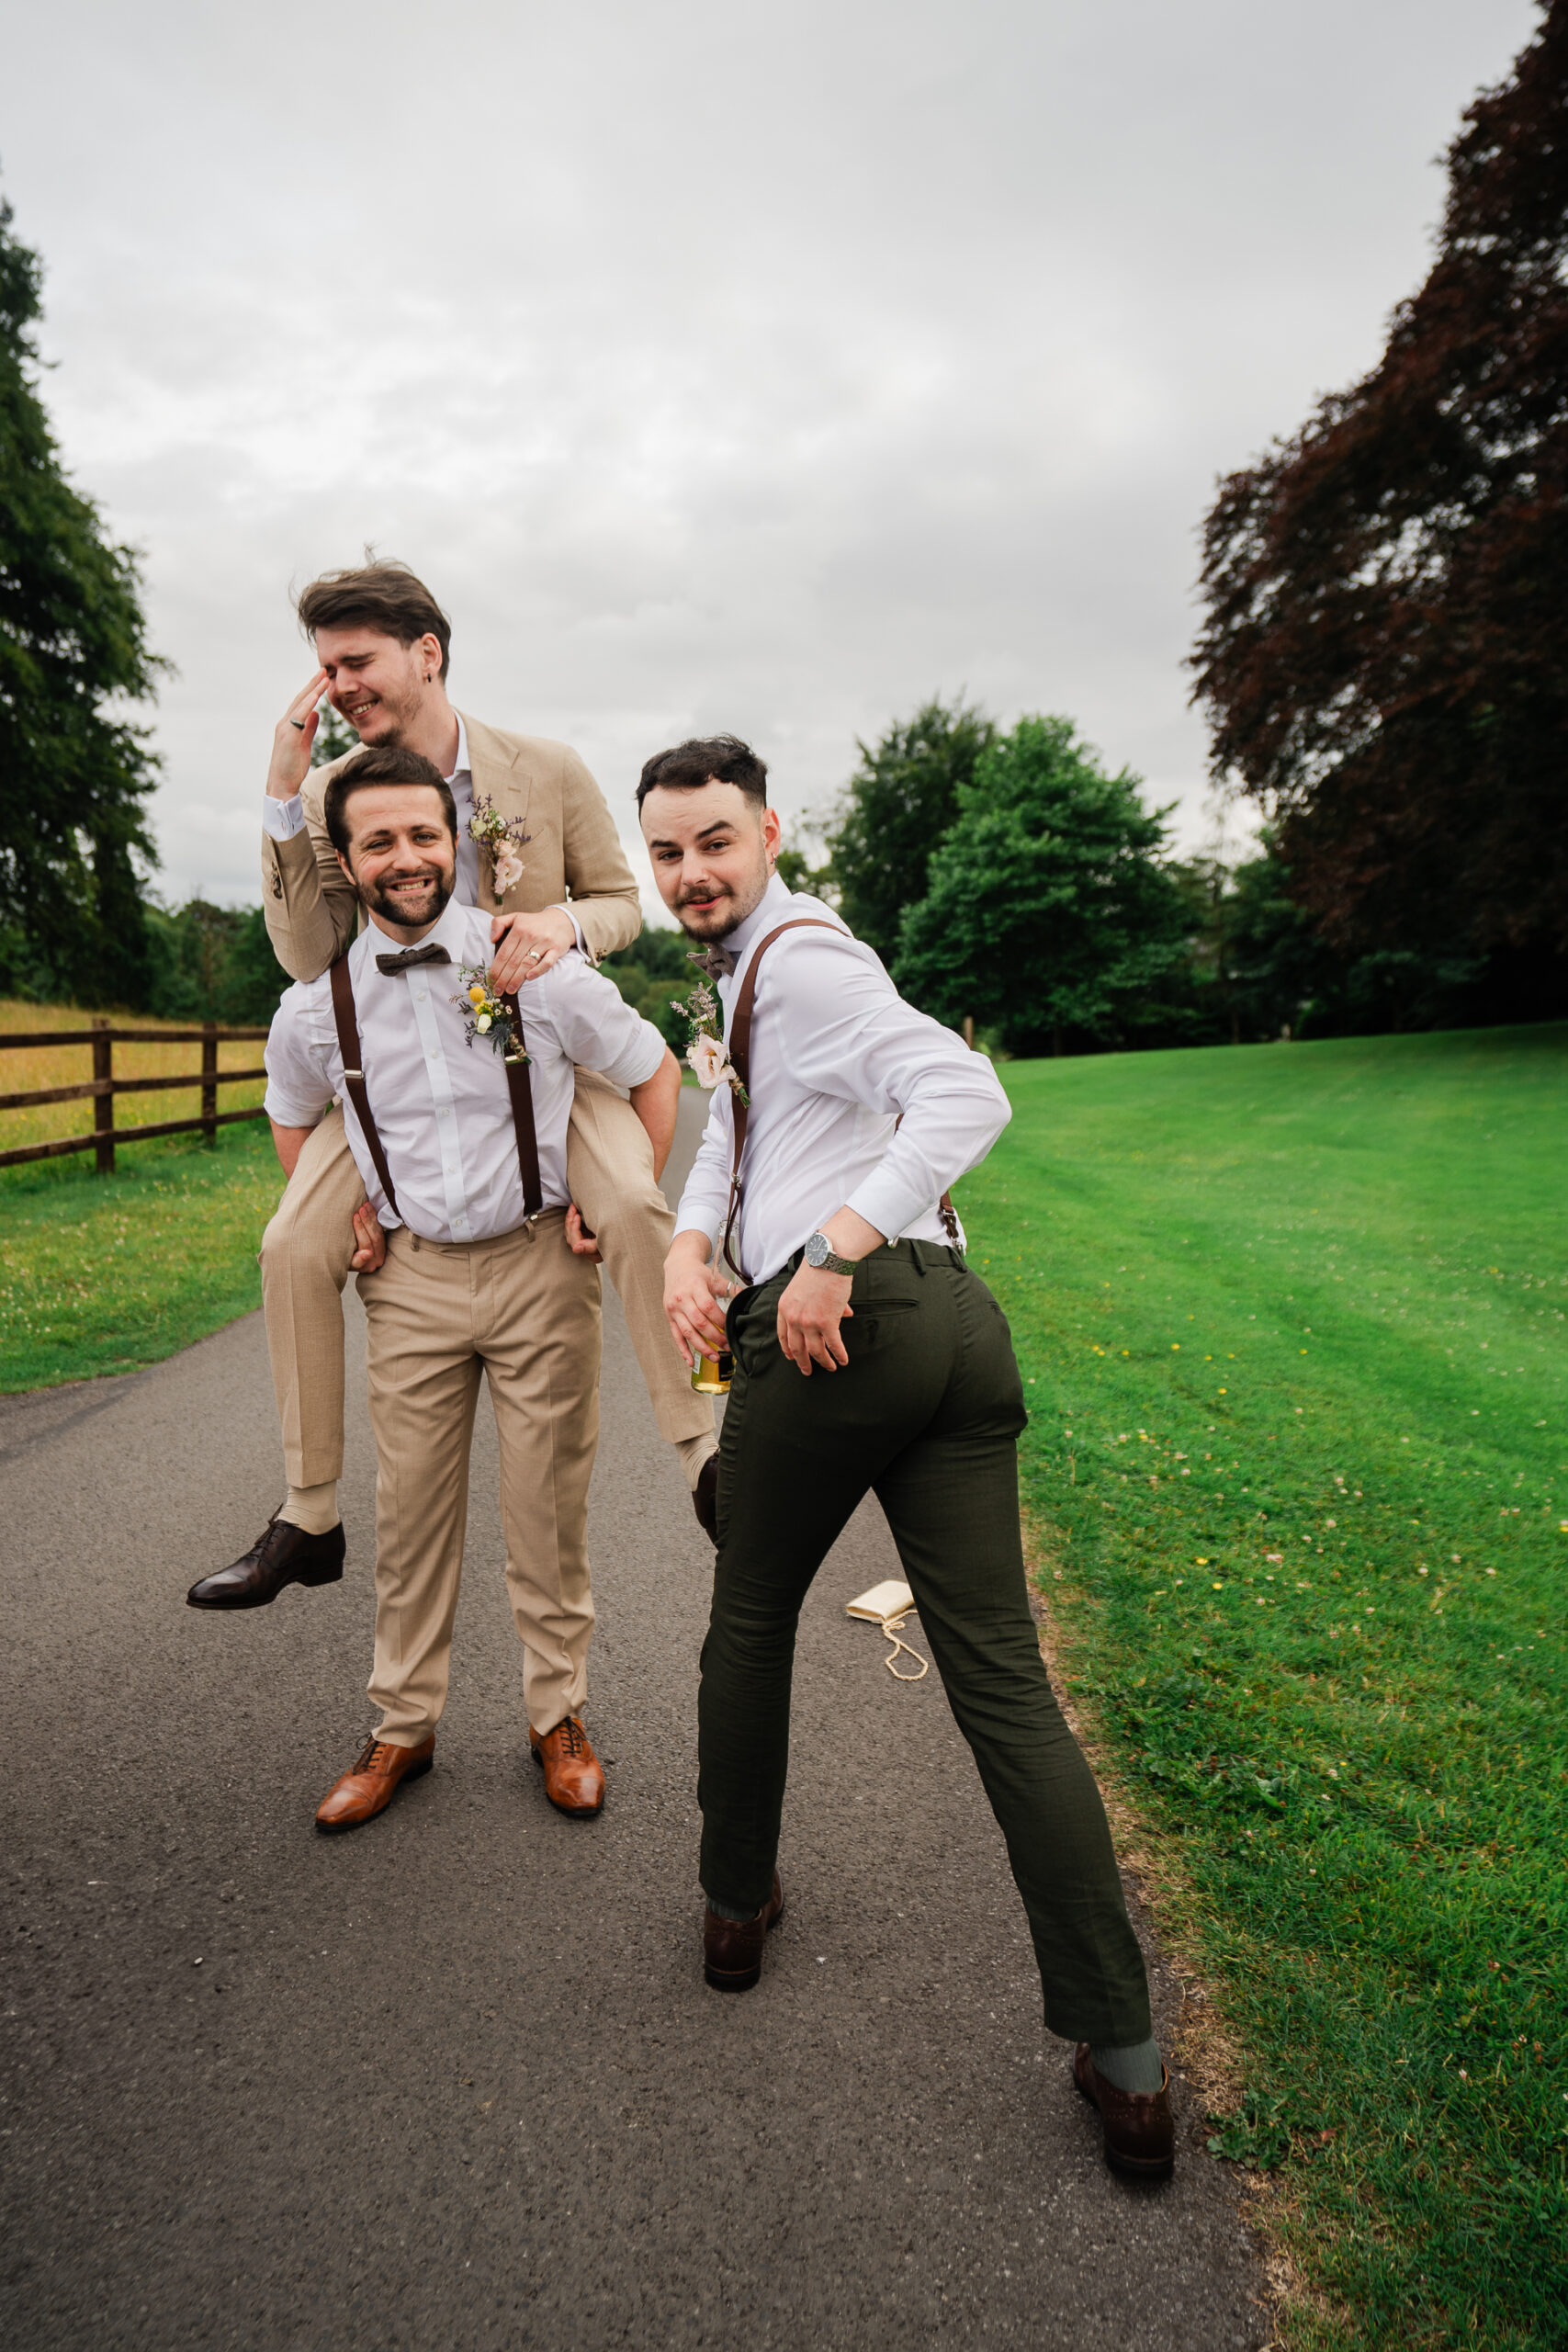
(1384, 660)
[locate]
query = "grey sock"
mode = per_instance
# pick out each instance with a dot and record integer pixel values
(723, 1911)
(1135, 2066)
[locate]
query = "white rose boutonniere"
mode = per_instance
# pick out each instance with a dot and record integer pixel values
(707, 1054)
(502, 840)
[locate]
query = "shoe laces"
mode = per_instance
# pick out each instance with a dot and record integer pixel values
(573, 1735)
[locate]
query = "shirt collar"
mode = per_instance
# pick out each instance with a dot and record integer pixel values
(771, 908)
(461, 763)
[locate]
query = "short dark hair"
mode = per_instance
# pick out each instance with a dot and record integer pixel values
(383, 764)
(377, 594)
(707, 759)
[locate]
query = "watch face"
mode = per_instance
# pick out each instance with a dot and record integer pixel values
(817, 1249)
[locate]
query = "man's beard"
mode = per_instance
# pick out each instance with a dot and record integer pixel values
(725, 911)
(378, 902)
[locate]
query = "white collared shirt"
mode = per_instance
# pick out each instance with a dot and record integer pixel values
(442, 1106)
(836, 1055)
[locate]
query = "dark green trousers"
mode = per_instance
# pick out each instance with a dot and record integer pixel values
(927, 1414)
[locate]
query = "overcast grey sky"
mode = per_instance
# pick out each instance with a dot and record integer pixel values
(717, 366)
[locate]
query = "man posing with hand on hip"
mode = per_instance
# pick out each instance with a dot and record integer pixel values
(382, 644)
(815, 1239)
(461, 1143)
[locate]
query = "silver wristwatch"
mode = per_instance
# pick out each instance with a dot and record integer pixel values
(819, 1252)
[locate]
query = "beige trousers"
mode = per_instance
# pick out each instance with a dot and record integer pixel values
(305, 1259)
(525, 1310)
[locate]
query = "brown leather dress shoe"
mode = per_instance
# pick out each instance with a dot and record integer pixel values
(732, 1948)
(1140, 2135)
(369, 1785)
(282, 1553)
(704, 1497)
(574, 1782)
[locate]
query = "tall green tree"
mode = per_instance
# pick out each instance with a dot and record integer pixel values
(1384, 658)
(74, 771)
(1050, 919)
(894, 810)
(334, 736)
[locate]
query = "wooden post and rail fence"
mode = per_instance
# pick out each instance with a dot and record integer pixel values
(103, 1086)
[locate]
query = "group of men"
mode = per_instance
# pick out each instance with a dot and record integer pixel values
(471, 1119)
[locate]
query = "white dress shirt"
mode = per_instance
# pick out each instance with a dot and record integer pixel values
(284, 819)
(836, 1055)
(441, 1106)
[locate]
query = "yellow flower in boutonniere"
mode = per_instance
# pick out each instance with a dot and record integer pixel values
(487, 1015)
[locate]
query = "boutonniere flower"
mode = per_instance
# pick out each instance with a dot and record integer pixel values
(707, 1052)
(487, 1015)
(502, 840)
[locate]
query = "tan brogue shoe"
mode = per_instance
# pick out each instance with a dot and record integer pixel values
(1140, 2134)
(574, 1782)
(371, 1783)
(732, 1948)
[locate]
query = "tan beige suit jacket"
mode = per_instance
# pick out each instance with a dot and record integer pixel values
(573, 851)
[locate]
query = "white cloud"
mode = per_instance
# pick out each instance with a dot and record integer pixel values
(717, 366)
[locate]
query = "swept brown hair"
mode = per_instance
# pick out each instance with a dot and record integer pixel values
(377, 594)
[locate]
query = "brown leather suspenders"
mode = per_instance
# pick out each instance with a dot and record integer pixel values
(522, 1095)
(518, 1087)
(740, 1062)
(354, 1076)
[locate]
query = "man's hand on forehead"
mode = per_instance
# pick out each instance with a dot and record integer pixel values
(292, 738)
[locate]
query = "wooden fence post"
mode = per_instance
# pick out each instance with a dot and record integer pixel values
(103, 1105)
(209, 1084)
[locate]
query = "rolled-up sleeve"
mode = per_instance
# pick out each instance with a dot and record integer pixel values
(299, 1085)
(852, 1035)
(596, 1025)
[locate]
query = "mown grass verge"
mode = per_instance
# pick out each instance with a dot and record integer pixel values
(1293, 1322)
(106, 1273)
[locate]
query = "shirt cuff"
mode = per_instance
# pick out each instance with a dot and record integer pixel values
(886, 1200)
(692, 1218)
(282, 818)
(586, 952)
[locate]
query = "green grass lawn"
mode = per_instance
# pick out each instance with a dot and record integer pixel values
(1293, 1322)
(105, 1273)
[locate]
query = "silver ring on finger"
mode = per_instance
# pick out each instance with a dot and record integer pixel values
(299, 723)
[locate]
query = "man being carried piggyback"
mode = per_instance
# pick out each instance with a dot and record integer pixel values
(458, 1137)
(825, 1254)
(537, 852)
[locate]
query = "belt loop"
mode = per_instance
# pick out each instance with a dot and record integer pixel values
(917, 1253)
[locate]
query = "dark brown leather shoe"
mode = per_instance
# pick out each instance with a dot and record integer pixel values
(369, 1785)
(704, 1497)
(574, 1782)
(732, 1948)
(1140, 2136)
(282, 1553)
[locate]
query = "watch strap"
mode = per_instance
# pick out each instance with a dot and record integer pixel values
(828, 1261)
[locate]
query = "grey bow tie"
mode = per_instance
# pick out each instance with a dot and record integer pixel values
(407, 956)
(717, 963)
